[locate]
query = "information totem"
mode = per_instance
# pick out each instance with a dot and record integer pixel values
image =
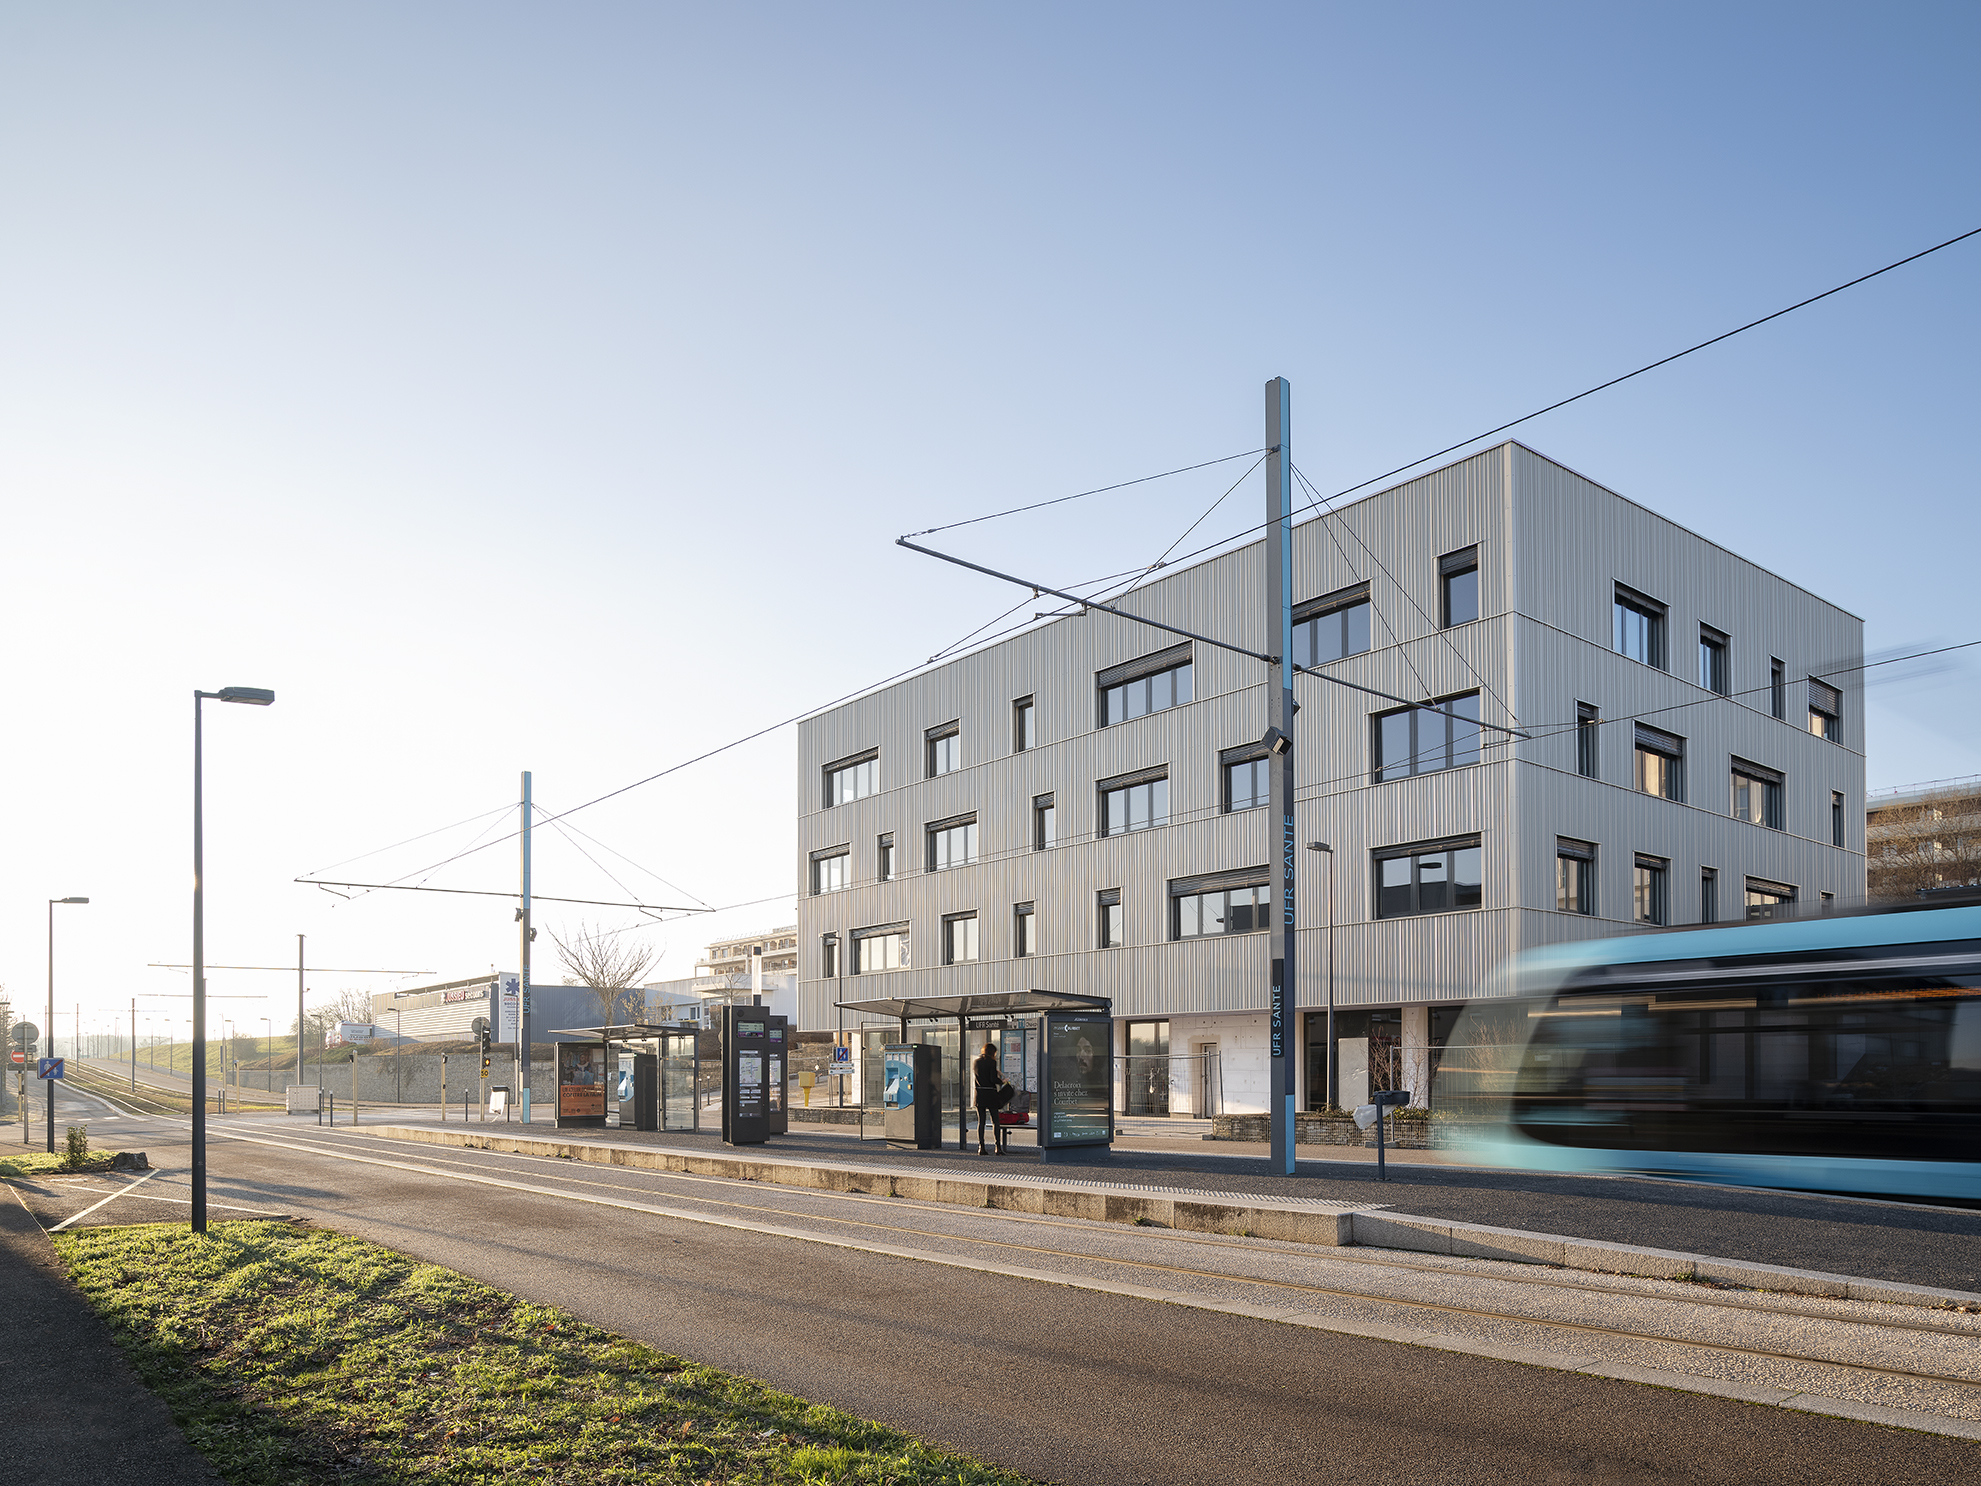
(911, 1095)
(746, 1054)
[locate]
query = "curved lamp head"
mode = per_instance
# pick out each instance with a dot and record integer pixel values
(254, 696)
(1320, 846)
(71, 900)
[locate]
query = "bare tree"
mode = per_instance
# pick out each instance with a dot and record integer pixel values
(1929, 840)
(607, 963)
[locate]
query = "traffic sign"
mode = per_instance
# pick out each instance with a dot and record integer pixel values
(25, 1033)
(48, 1068)
(20, 1055)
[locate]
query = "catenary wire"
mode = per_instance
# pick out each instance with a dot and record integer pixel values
(1061, 500)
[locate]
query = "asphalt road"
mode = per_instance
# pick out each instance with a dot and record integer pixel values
(1062, 1384)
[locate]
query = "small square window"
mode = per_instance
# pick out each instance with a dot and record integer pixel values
(959, 938)
(1649, 905)
(1458, 576)
(1825, 710)
(852, 779)
(1639, 627)
(1137, 806)
(1756, 795)
(1660, 763)
(1247, 784)
(832, 871)
(1575, 876)
(952, 843)
(945, 749)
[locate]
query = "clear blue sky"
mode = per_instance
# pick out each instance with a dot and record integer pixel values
(541, 387)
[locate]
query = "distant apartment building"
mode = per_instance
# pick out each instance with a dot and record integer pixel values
(732, 956)
(1923, 837)
(1080, 808)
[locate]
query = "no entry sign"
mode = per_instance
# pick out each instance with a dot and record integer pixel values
(20, 1055)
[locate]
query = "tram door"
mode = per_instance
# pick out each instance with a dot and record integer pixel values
(678, 1105)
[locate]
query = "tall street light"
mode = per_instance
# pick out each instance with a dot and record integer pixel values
(49, 1082)
(1327, 1058)
(252, 696)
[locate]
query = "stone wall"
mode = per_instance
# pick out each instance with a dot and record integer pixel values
(1312, 1128)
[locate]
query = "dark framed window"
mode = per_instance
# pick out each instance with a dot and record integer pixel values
(1825, 710)
(1418, 740)
(1045, 823)
(1709, 895)
(1757, 795)
(1829, 904)
(1110, 929)
(1024, 725)
(1575, 876)
(1431, 878)
(1660, 763)
(944, 747)
(1778, 688)
(1458, 584)
(959, 938)
(1713, 660)
(1133, 803)
(1769, 899)
(1836, 818)
(1332, 627)
(882, 948)
(1150, 683)
(1649, 904)
(829, 956)
(952, 843)
(884, 858)
(1226, 903)
(832, 870)
(1639, 630)
(1588, 730)
(852, 778)
(1247, 784)
(1024, 931)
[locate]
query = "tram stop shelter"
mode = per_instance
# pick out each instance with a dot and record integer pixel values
(981, 1013)
(638, 1075)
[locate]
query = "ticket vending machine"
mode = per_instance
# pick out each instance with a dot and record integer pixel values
(777, 1076)
(746, 1052)
(911, 1095)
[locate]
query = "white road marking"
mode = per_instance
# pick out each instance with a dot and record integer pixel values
(111, 1198)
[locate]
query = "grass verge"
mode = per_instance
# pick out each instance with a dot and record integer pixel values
(289, 1353)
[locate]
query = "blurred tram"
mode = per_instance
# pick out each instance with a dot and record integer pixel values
(1836, 1054)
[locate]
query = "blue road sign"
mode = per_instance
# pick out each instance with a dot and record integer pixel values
(48, 1068)
(842, 1055)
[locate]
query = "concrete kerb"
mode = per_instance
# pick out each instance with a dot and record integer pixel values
(1311, 1222)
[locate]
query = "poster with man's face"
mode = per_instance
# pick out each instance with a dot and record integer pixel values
(1081, 1086)
(580, 1081)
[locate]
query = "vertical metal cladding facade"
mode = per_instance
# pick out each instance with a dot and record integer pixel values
(1552, 549)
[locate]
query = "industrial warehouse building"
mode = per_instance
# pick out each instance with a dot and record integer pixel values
(1081, 808)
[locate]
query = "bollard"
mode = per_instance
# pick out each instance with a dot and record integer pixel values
(1383, 1103)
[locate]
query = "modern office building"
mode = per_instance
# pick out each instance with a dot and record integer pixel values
(1080, 808)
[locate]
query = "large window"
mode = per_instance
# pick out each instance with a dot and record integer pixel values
(1152, 683)
(1417, 740)
(831, 870)
(1588, 730)
(1331, 628)
(1247, 784)
(852, 779)
(945, 749)
(959, 938)
(1825, 710)
(1757, 795)
(1134, 804)
(1660, 763)
(884, 858)
(1107, 919)
(1231, 903)
(1024, 725)
(1712, 660)
(1024, 930)
(1432, 878)
(1575, 876)
(1045, 822)
(952, 843)
(880, 949)
(1639, 627)
(1769, 899)
(1649, 904)
(1458, 582)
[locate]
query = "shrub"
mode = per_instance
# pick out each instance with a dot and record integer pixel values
(78, 1153)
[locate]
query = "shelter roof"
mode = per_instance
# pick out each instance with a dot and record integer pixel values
(626, 1032)
(1003, 1003)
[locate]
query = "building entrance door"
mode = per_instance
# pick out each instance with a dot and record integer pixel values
(1206, 1080)
(1148, 1068)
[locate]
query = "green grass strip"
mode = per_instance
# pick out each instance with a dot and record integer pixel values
(293, 1354)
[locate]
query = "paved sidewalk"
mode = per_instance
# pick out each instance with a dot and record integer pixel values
(76, 1413)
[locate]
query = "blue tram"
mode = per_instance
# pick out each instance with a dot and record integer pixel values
(1838, 1054)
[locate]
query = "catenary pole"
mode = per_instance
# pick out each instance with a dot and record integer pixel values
(523, 978)
(1279, 730)
(199, 986)
(299, 1008)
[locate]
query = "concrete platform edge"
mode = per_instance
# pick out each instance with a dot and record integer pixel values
(1263, 1219)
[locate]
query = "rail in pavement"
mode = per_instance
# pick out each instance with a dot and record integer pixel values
(1300, 1220)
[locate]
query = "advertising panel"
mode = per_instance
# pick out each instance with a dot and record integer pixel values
(580, 1082)
(898, 1080)
(508, 1005)
(1079, 1082)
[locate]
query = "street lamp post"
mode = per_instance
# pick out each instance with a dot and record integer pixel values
(1327, 1056)
(49, 1082)
(251, 696)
